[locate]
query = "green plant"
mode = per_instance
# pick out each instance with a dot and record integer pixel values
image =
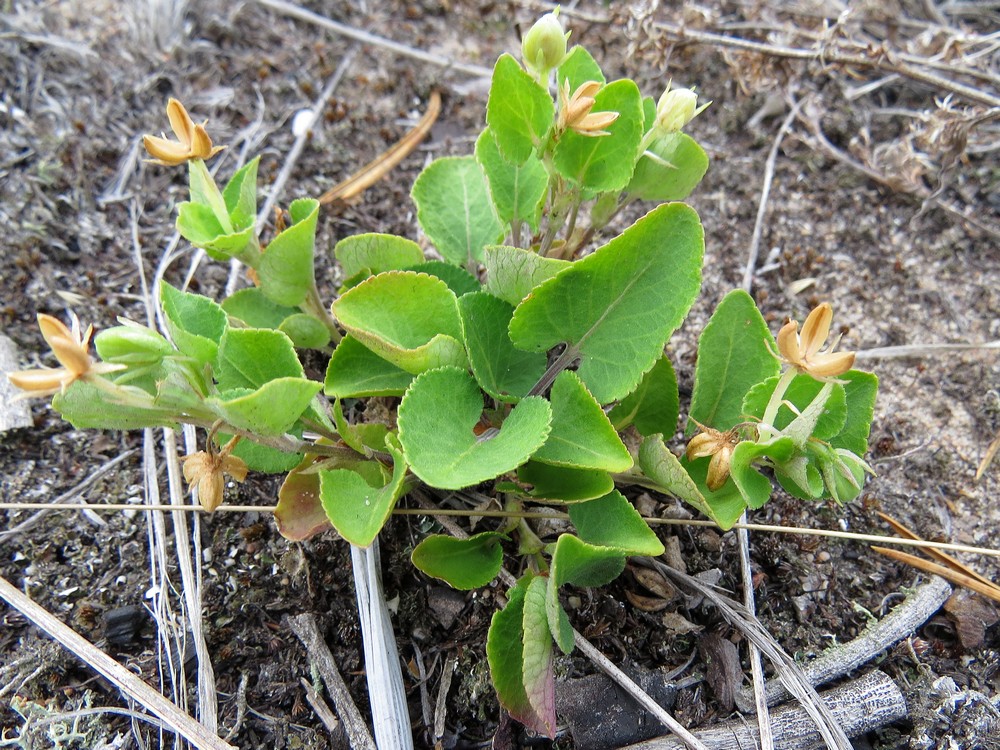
(520, 359)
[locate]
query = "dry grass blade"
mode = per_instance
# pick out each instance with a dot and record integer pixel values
(124, 680)
(937, 554)
(385, 162)
(989, 590)
(788, 671)
(991, 451)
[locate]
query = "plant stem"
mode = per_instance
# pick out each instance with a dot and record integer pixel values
(564, 360)
(766, 428)
(213, 195)
(314, 306)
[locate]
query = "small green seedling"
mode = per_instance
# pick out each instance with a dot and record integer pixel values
(524, 355)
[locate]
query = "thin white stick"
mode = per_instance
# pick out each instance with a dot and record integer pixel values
(123, 679)
(742, 535)
(641, 696)
(208, 700)
(295, 11)
(765, 192)
(290, 161)
(756, 664)
(921, 350)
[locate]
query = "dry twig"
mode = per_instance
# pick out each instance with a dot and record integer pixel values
(305, 627)
(123, 679)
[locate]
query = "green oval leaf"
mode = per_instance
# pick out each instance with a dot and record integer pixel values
(458, 279)
(355, 371)
(195, 323)
(358, 510)
(653, 406)
(579, 66)
(669, 170)
(409, 319)
(860, 389)
(618, 306)
(612, 521)
(519, 111)
(271, 409)
(455, 210)
(506, 373)
(537, 671)
(565, 484)
(285, 269)
(582, 435)
(250, 357)
(505, 652)
(734, 354)
(305, 331)
(86, 407)
(256, 310)
(518, 191)
(511, 273)
(605, 163)
(364, 255)
(462, 563)
(437, 417)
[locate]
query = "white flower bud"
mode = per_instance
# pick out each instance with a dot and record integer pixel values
(544, 46)
(676, 108)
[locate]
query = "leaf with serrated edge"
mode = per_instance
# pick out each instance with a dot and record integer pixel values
(458, 279)
(505, 652)
(271, 409)
(356, 509)
(618, 306)
(285, 269)
(250, 357)
(511, 273)
(653, 406)
(518, 192)
(733, 356)
(355, 371)
(506, 373)
(455, 210)
(409, 319)
(579, 66)
(374, 253)
(612, 521)
(461, 563)
(860, 389)
(436, 421)
(581, 435)
(538, 663)
(604, 163)
(565, 484)
(195, 323)
(519, 111)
